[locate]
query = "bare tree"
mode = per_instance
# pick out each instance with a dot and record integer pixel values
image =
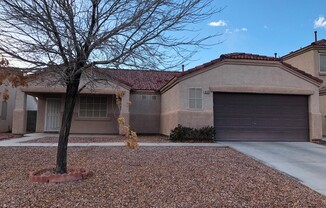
(70, 36)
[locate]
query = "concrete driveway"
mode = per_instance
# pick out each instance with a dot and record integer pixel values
(304, 161)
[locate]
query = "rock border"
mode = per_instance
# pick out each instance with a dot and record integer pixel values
(78, 173)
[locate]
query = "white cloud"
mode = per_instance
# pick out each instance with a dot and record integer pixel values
(320, 23)
(227, 31)
(241, 29)
(266, 27)
(218, 23)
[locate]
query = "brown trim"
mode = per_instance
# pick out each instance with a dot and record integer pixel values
(260, 89)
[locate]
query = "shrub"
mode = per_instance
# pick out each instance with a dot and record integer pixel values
(183, 134)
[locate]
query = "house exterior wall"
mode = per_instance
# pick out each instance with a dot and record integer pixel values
(145, 109)
(107, 125)
(306, 61)
(169, 110)
(309, 62)
(6, 120)
(322, 101)
(237, 77)
(40, 117)
(80, 124)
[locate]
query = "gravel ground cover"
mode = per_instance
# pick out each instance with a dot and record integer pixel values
(151, 177)
(5, 136)
(74, 139)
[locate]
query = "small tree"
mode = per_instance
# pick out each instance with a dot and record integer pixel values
(9, 77)
(68, 37)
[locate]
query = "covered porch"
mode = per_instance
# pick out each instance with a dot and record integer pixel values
(95, 112)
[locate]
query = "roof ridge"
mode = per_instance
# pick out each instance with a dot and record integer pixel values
(249, 56)
(142, 70)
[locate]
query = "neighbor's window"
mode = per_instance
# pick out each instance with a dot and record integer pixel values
(322, 63)
(93, 107)
(195, 98)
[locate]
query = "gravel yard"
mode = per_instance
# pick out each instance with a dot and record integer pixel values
(112, 138)
(151, 177)
(5, 136)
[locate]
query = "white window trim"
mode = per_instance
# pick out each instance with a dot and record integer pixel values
(93, 118)
(195, 98)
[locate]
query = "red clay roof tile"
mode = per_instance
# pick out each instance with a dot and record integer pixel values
(142, 79)
(248, 56)
(321, 42)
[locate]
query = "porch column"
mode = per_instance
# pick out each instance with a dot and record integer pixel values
(125, 102)
(19, 114)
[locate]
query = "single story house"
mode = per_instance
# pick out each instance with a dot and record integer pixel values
(246, 97)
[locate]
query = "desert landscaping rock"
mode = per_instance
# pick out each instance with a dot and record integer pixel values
(117, 138)
(150, 177)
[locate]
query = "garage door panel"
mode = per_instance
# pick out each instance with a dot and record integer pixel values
(261, 117)
(262, 122)
(247, 135)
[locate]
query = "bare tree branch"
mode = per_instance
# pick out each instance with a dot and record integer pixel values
(68, 38)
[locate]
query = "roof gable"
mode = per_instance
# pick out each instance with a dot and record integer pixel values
(252, 57)
(320, 44)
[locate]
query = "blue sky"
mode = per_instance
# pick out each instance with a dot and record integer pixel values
(263, 27)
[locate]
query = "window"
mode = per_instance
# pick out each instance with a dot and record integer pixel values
(93, 107)
(195, 98)
(322, 63)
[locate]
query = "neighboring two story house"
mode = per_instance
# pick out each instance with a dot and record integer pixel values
(312, 59)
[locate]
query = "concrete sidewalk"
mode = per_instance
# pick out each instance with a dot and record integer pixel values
(304, 161)
(19, 142)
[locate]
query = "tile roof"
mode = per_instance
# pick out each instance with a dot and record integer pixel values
(243, 56)
(322, 89)
(321, 42)
(249, 56)
(142, 79)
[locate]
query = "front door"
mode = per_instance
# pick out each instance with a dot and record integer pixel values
(53, 108)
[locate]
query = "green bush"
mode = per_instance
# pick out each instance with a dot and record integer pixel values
(184, 134)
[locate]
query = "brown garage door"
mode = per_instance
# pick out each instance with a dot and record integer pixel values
(260, 117)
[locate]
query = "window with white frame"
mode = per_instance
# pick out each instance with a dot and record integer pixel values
(195, 98)
(322, 62)
(93, 107)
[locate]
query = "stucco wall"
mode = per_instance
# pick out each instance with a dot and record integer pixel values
(238, 77)
(6, 123)
(169, 110)
(40, 119)
(309, 61)
(306, 62)
(107, 125)
(145, 112)
(322, 100)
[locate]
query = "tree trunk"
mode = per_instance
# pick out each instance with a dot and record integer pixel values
(70, 100)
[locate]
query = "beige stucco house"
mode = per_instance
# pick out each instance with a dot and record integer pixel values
(244, 96)
(312, 59)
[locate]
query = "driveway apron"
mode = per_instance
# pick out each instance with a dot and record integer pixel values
(303, 161)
